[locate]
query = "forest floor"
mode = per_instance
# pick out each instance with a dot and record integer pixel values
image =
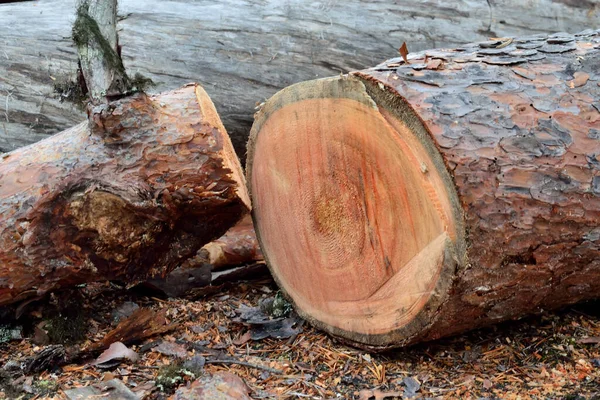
(550, 356)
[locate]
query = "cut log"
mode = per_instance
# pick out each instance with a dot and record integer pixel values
(243, 52)
(238, 246)
(141, 188)
(408, 202)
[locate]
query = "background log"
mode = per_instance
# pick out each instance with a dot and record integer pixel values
(238, 246)
(233, 253)
(243, 51)
(413, 201)
(141, 188)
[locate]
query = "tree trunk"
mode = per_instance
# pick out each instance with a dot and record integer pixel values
(413, 201)
(243, 52)
(141, 188)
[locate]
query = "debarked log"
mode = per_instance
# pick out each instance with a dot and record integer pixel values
(237, 246)
(131, 194)
(412, 201)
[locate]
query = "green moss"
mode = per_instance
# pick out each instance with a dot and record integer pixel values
(45, 387)
(171, 376)
(140, 83)
(277, 307)
(68, 326)
(71, 91)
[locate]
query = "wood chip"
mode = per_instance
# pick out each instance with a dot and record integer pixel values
(579, 79)
(404, 52)
(589, 340)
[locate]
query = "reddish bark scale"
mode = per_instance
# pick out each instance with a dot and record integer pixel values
(151, 182)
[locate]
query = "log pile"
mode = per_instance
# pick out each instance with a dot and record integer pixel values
(419, 199)
(428, 195)
(132, 193)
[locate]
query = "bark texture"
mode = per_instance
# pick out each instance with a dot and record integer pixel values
(241, 50)
(141, 188)
(517, 125)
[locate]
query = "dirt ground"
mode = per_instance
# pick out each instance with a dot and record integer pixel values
(550, 356)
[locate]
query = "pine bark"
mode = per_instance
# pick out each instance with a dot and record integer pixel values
(515, 125)
(519, 129)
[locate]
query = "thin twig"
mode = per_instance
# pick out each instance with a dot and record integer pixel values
(246, 364)
(8, 96)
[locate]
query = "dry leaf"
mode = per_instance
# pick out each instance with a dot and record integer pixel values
(113, 389)
(116, 352)
(243, 339)
(404, 52)
(171, 349)
(222, 385)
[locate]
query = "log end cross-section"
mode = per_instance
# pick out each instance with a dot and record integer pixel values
(368, 232)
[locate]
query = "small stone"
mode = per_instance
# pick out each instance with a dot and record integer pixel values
(195, 364)
(412, 386)
(125, 310)
(222, 385)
